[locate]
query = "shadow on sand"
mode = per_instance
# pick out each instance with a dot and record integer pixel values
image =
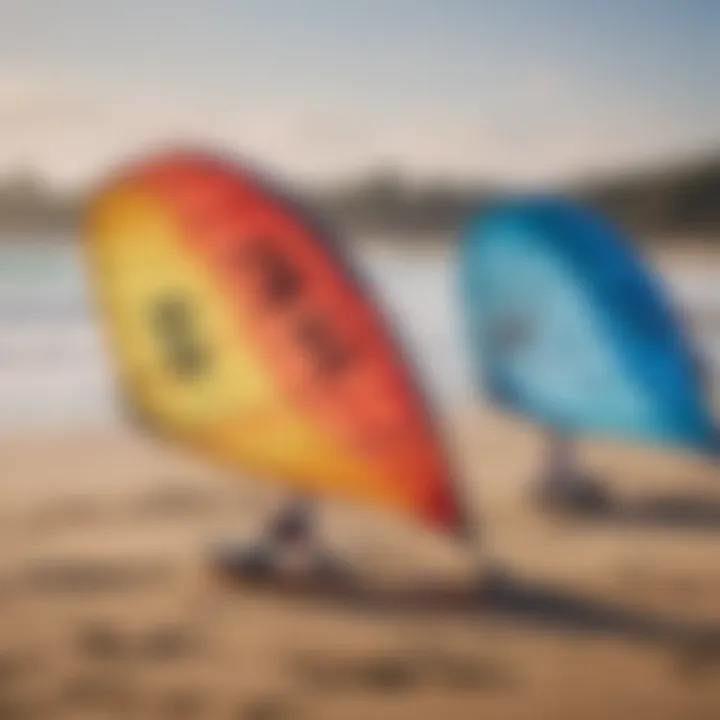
(673, 512)
(505, 597)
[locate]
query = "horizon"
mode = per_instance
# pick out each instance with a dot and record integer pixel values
(642, 170)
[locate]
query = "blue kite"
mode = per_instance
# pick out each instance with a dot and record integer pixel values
(569, 328)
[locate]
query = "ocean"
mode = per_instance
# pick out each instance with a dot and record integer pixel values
(54, 371)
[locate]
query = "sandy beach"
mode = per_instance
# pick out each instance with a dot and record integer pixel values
(108, 611)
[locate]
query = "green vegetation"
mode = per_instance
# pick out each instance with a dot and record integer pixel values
(29, 206)
(675, 200)
(670, 200)
(387, 202)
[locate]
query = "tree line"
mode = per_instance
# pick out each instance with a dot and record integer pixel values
(680, 198)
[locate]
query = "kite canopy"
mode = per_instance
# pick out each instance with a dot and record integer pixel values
(238, 331)
(570, 329)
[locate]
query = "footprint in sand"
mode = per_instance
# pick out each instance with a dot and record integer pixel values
(697, 657)
(100, 641)
(173, 502)
(401, 672)
(184, 704)
(100, 693)
(267, 708)
(14, 707)
(462, 672)
(14, 666)
(103, 641)
(383, 673)
(171, 642)
(86, 575)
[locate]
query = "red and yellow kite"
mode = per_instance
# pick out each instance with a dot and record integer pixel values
(239, 331)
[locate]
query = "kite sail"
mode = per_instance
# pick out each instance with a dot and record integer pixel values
(570, 329)
(239, 331)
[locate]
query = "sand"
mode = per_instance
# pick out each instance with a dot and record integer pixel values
(107, 610)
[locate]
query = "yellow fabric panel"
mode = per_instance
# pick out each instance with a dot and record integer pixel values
(232, 409)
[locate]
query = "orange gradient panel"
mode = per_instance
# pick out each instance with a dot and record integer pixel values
(239, 330)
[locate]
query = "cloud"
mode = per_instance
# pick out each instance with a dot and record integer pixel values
(538, 135)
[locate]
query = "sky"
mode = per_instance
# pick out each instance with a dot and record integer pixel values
(523, 92)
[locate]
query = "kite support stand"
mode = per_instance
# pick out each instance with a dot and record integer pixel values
(287, 550)
(490, 576)
(564, 486)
